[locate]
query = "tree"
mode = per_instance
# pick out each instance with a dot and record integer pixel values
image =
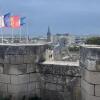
(93, 40)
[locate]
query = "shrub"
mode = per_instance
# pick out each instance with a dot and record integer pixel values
(93, 40)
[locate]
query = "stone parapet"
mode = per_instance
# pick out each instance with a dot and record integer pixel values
(90, 72)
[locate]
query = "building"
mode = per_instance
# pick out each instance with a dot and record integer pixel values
(48, 35)
(63, 39)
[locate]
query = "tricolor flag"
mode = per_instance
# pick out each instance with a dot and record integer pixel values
(15, 21)
(7, 20)
(2, 21)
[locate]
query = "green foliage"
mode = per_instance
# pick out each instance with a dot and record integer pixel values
(93, 40)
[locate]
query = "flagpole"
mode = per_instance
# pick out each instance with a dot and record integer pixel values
(1, 23)
(2, 35)
(12, 35)
(27, 33)
(20, 34)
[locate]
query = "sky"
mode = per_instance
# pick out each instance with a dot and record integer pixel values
(78, 17)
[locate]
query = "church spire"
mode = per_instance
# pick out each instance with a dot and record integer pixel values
(48, 35)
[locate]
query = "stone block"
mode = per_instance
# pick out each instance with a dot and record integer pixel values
(12, 59)
(16, 59)
(60, 88)
(37, 92)
(4, 78)
(98, 65)
(3, 87)
(1, 60)
(32, 86)
(37, 85)
(7, 59)
(78, 82)
(34, 77)
(17, 69)
(50, 78)
(17, 88)
(29, 59)
(86, 96)
(89, 88)
(90, 76)
(97, 90)
(6, 68)
(31, 68)
(19, 79)
(19, 59)
(50, 86)
(1, 68)
(60, 80)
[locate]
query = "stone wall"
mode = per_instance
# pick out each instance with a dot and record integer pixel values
(59, 82)
(19, 75)
(90, 72)
(22, 73)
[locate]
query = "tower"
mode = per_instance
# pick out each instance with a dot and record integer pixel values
(48, 35)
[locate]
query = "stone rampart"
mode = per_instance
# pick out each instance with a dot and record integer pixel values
(90, 72)
(60, 80)
(23, 73)
(19, 75)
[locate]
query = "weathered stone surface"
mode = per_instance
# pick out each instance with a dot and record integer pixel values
(19, 79)
(31, 68)
(17, 88)
(50, 86)
(3, 87)
(4, 78)
(37, 85)
(34, 77)
(1, 68)
(86, 96)
(60, 80)
(32, 86)
(7, 59)
(23, 76)
(89, 88)
(29, 58)
(16, 59)
(60, 88)
(18, 69)
(50, 78)
(91, 77)
(15, 69)
(98, 65)
(97, 90)
(90, 71)
(1, 59)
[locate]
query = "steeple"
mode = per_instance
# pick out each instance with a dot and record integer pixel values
(48, 35)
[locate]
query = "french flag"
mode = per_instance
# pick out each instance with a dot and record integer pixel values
(15, 21)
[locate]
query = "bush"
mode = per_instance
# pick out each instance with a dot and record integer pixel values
(93, 40)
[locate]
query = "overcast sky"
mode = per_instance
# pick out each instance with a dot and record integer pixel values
(73, 16)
